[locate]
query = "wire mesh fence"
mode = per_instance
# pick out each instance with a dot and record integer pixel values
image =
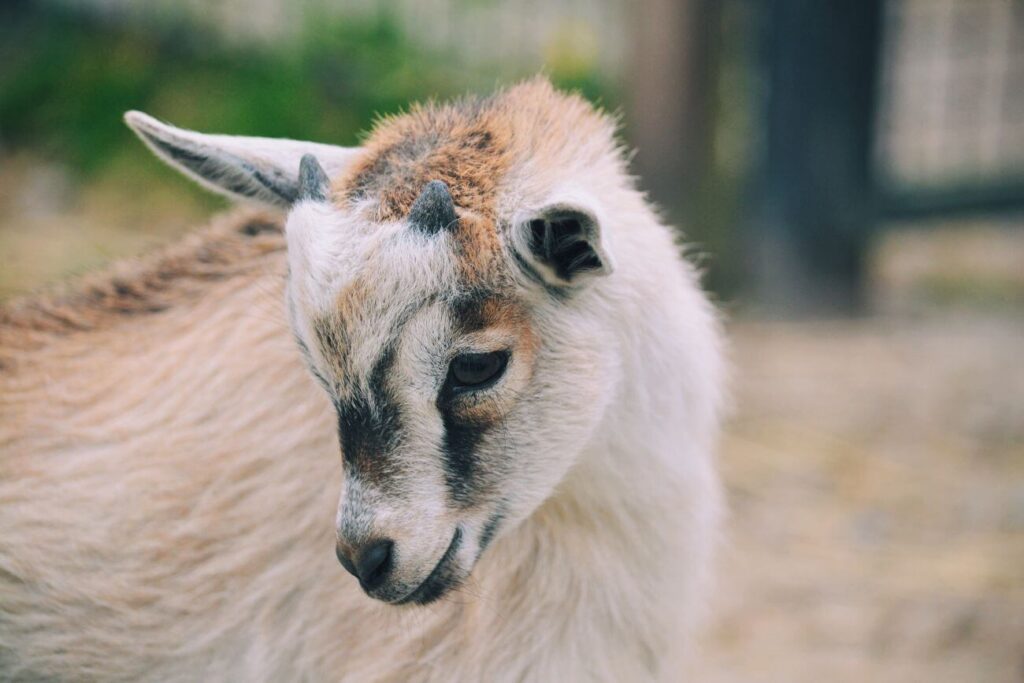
(951, 114)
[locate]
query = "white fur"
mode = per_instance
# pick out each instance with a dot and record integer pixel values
(167, 488)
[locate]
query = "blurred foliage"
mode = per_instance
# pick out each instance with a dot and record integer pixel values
(67, 79)
(67, 76)
(78, 190)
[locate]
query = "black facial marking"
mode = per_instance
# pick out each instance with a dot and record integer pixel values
(441, 578)
(461, 437)
(368, 433)
(467, 309)
(487, 535)
(434, 210)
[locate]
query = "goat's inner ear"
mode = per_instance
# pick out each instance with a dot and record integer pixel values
(562, 246)
(263, 170)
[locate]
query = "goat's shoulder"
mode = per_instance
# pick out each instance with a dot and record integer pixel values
(234, 246)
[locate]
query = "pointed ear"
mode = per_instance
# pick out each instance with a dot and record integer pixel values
(264, 170)
(561, 245)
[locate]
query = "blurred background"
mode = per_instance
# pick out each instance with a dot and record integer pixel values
(850, 175)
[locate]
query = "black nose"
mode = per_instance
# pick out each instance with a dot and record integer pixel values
(372, 562)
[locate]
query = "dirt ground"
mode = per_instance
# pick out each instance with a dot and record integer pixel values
(875, 470)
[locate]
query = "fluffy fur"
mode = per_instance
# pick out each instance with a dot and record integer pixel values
(169, 472)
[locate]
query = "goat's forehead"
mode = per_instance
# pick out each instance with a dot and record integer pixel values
(478, 147)
(429, 288)
(467, 147)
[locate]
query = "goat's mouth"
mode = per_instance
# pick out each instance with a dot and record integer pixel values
(441, 579)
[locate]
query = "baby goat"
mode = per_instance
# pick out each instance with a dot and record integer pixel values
(523, 373)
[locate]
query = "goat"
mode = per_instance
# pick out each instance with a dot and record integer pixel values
(522, 370)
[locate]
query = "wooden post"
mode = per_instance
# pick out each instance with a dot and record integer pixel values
(813, 202)
(668, 94)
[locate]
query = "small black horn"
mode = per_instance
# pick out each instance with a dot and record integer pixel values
(313, 179)
(434, 209)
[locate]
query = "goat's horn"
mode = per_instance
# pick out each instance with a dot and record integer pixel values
(313, 179)
(434, 209)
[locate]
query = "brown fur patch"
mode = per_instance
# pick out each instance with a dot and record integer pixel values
(503, 313)
(464, 144)
(478, 250)
(472, 144)
(172, 277)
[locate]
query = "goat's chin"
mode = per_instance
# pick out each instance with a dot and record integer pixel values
(434, 589)
(445, 577)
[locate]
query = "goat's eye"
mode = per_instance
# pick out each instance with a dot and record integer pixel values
(477, 370)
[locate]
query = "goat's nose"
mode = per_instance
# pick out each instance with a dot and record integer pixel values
(369, 563)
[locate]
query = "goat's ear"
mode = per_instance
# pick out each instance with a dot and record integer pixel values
(561, 245)
(264, 170)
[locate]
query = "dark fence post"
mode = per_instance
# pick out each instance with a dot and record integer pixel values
(813, 205)
(669, 89)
